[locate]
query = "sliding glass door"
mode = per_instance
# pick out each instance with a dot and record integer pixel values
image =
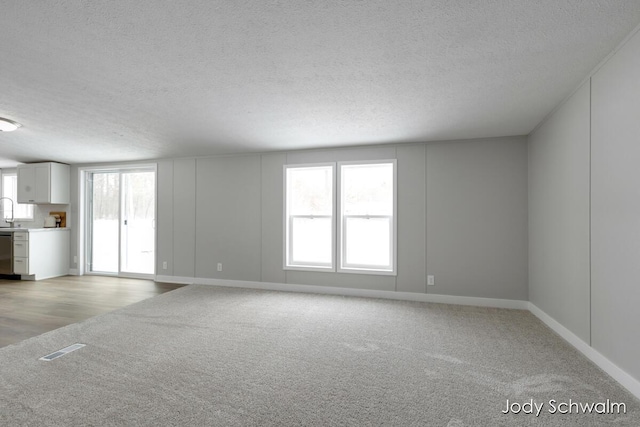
(120, 218)
(138, 234)
(104, 216)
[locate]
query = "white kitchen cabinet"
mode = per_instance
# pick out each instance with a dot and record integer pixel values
(43, 183)
(41, 253)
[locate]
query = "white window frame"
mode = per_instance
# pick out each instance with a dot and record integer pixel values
(343, 267)
(83, 215)
(338, 251)
(288, 220)
(14, 172)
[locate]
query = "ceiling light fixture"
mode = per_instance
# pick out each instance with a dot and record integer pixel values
(7, 125)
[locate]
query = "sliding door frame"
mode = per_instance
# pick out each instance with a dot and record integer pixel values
(84, 223)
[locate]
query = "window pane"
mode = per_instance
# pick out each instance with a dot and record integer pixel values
(367, 242)
(7, 191)
(24, 211)
(137, 243)
(7, 185)
(311, 241)
(105, 214)
(310, 190)
(367, 189)
(310, 223)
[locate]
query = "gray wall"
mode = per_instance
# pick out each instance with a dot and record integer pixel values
(228, 219)
(183, 203)
(164, 217)
(590, 147)
(272, 229)
(559, 215)
(477, 218)
(412, 227)
(462, 214)
(615, 208)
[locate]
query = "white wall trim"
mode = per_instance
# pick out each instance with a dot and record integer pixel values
(74, 272)
(368, 293)
(626, 380)
(175, 279)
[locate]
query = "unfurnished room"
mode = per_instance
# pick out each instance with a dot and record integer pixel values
(297, 213)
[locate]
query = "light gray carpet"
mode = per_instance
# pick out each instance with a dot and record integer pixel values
(207, 356)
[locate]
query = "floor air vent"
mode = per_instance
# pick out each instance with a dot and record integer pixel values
(60, 353)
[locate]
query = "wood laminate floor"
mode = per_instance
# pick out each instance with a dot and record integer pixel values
(28, 309)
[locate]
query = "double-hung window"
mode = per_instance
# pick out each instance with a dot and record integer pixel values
(310, 221)
(367, 217)
(341, 217)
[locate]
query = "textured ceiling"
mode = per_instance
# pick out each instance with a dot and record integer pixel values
(130, 80)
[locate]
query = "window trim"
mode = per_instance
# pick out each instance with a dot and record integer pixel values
(393, 239)
(337, 223)
(287, 218)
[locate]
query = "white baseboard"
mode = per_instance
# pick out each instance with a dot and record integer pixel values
(368, 293)
(175, 279)
(74, 272)
(626, 380)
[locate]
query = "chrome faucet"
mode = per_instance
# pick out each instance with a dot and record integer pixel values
(9, 221)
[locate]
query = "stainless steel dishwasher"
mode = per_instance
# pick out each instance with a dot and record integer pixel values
(6, 253)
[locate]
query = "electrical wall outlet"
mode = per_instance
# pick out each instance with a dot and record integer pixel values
(431, 280)
(219, 266)
(164, 265)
